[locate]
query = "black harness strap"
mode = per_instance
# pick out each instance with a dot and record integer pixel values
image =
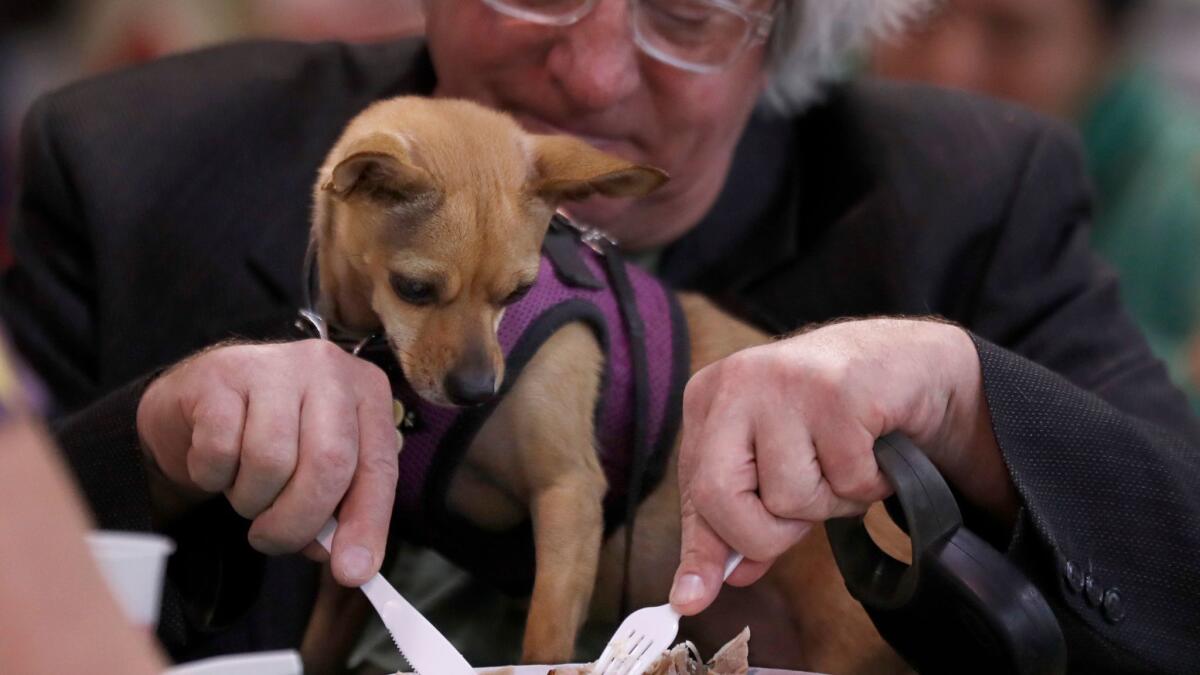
(636, 332)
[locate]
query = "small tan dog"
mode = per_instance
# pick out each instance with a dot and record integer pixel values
(429, 219)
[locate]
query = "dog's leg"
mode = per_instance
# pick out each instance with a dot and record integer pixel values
(546, 420)
(833, 629)
(567, 523)
(337, 620)
(568, 488)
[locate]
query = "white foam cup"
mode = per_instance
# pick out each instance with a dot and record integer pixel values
(267, 663)
(133, 564)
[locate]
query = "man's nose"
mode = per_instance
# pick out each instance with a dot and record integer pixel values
(595, 61)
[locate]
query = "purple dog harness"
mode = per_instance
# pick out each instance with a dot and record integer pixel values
(640, 328)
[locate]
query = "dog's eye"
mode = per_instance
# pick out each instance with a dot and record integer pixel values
(517, 294)
(412, 291)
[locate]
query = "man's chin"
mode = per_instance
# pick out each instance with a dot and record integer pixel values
(608, 214)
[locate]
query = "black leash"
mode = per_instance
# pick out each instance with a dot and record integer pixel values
(636, 331)
(961, 606)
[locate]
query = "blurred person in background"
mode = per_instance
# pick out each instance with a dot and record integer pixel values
(1080, 60)
(56, 612)
(124, 32)
(46, 43)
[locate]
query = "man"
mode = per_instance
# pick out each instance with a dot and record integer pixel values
(165, 209)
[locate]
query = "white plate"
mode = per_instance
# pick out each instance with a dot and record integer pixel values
(545, 669)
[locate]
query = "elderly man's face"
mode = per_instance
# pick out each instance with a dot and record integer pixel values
(590, 80)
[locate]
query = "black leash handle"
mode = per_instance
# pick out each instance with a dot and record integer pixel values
(961, 606)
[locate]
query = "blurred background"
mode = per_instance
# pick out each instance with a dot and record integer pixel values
(48, 43)
(1125, 73)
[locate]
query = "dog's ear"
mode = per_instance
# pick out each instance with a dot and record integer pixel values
(568, 169)
(380, 167)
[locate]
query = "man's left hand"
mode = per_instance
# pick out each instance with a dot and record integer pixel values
(780, 437)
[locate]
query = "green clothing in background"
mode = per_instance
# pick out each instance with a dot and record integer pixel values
(1143, 151)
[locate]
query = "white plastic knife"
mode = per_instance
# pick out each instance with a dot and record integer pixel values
(425, 649)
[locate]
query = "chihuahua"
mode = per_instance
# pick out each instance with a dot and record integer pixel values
(429, 222)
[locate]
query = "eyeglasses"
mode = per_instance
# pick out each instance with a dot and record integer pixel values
(700, 36)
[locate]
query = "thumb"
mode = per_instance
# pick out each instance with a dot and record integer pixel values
(701, 566)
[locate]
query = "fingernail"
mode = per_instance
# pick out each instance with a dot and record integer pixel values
(688, 589)
(355, 562)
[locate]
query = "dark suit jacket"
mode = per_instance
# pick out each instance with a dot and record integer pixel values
(165, 207)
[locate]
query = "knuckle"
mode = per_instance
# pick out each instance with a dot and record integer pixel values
(796, 369)
(217, 356)
(738, 366)
(312, 353)
(844, 486)
(859, 487)
(778, 503)
(829, 380)
(375, 382)
(692, 551)
(705, 491)
(850, 469)
(693, 397)
(213, 412)
(269, 541)
(210, 450)
(275, 460)
(204, 477)
(805, 505)
(242, 506)
(384, 465)
(227, 360)
(333, 462)
(381, 468)
(323, 351)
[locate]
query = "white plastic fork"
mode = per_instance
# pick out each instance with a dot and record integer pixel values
(645, 634)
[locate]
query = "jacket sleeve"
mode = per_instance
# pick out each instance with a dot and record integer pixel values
(48, 302)
(1101, 447)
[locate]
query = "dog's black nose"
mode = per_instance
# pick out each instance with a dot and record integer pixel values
(470, 387)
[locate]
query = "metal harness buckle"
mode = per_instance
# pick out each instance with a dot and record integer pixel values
(595, 239)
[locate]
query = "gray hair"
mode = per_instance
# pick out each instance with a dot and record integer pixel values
(813, 41)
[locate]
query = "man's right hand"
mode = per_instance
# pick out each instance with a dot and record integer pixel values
(288, 432)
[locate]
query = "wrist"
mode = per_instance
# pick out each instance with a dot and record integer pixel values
(968, 455)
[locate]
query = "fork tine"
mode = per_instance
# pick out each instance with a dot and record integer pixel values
(606, 663)
(634, 655)
(621, 661)
(643, 635)
(643, 663)
(622, 665)
(605, 659)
